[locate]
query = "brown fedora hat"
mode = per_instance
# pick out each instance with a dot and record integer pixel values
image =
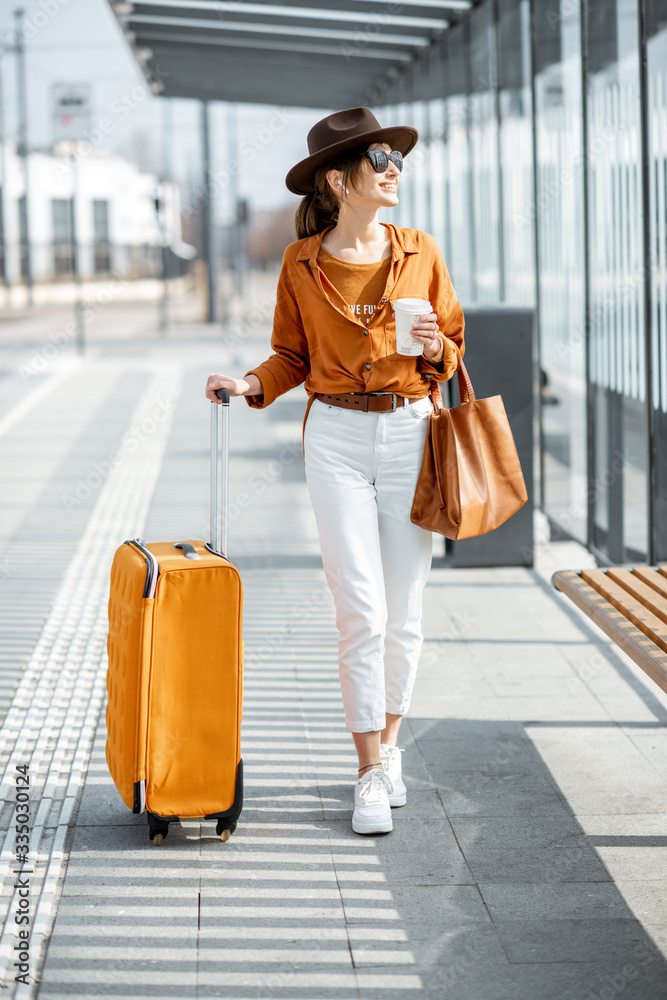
(340, 132)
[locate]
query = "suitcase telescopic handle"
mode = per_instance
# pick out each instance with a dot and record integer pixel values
(220, 471)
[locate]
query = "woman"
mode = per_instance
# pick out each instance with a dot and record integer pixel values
(366, 419)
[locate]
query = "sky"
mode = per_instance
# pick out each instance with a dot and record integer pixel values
(82, 43)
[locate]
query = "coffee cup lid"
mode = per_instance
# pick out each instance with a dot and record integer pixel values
(413, 305)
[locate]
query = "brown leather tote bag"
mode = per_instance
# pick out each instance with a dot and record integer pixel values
(470, 480)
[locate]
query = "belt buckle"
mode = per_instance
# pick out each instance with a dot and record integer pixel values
(393, 399)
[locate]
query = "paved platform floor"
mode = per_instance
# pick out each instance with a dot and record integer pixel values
(530, 862)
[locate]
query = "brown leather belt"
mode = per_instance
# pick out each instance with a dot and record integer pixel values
(365, 401)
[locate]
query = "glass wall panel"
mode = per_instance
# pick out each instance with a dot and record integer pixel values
(616, 263)
(383, 113)
(459, 214)
(419, 160)
(560, 232)
(516, 153)
(656, 67)
(484, 154)
(404, 212)
(437, 158)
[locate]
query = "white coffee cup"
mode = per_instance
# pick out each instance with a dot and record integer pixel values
(406, 312)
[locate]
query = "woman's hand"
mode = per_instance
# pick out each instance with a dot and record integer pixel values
(426, 329)
(236, 386)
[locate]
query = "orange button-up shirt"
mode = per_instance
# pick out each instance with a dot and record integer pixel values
(317, 338)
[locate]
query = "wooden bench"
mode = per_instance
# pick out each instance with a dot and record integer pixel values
(630, 606)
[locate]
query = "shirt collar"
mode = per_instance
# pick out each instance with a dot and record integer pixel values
(402, 242)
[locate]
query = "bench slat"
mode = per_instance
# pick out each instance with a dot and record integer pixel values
(633, 609)
(636, 588)
(651, 576)
(620, 629)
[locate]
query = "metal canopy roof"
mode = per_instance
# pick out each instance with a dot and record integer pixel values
(286, 52)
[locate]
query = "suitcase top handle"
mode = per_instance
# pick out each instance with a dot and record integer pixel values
(188, 549)
(223, 396)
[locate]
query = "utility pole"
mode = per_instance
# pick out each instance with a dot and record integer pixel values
(208, 217)
(162, 214)
(159, 202)
(3, 190)
(235, 242)
(22, 146)
(76, 259)
(70, 110)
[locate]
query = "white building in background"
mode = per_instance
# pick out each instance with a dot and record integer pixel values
(118, 229)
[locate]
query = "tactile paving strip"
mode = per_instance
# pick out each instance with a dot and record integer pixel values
(52, 719)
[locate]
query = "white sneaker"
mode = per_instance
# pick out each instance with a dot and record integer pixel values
(372, 812)
(391, 762)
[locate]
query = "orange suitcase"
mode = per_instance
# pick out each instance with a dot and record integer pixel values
(175, 675)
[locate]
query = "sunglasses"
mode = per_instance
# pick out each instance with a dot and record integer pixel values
(380, 159)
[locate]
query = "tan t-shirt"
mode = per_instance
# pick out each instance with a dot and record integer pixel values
(361, 285)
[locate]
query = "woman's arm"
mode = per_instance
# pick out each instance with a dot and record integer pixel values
(289, 364)
(450, 319)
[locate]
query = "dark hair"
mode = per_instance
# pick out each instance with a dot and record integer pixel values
(319, 209)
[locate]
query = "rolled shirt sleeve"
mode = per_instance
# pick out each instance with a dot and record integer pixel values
(289, 364)
(451, 321)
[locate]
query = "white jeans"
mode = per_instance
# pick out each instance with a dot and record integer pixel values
(361, 470)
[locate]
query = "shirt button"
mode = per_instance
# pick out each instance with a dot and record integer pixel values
(365, 333)
(368, 366)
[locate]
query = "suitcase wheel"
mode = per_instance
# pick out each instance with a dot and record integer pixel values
(224, 829)
(157, 828)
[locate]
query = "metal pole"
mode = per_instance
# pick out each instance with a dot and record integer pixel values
(215, 533)
(499, 152)
(219, 472)
(467, 33)
(224, 474)
(164, 234)
(207, 218)
(238, 225)
(591, 492)
(3, 190)
(22, 147)
(164, 298)
(536, 260)
(76, 260)
(159, 201)
(655, 546)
